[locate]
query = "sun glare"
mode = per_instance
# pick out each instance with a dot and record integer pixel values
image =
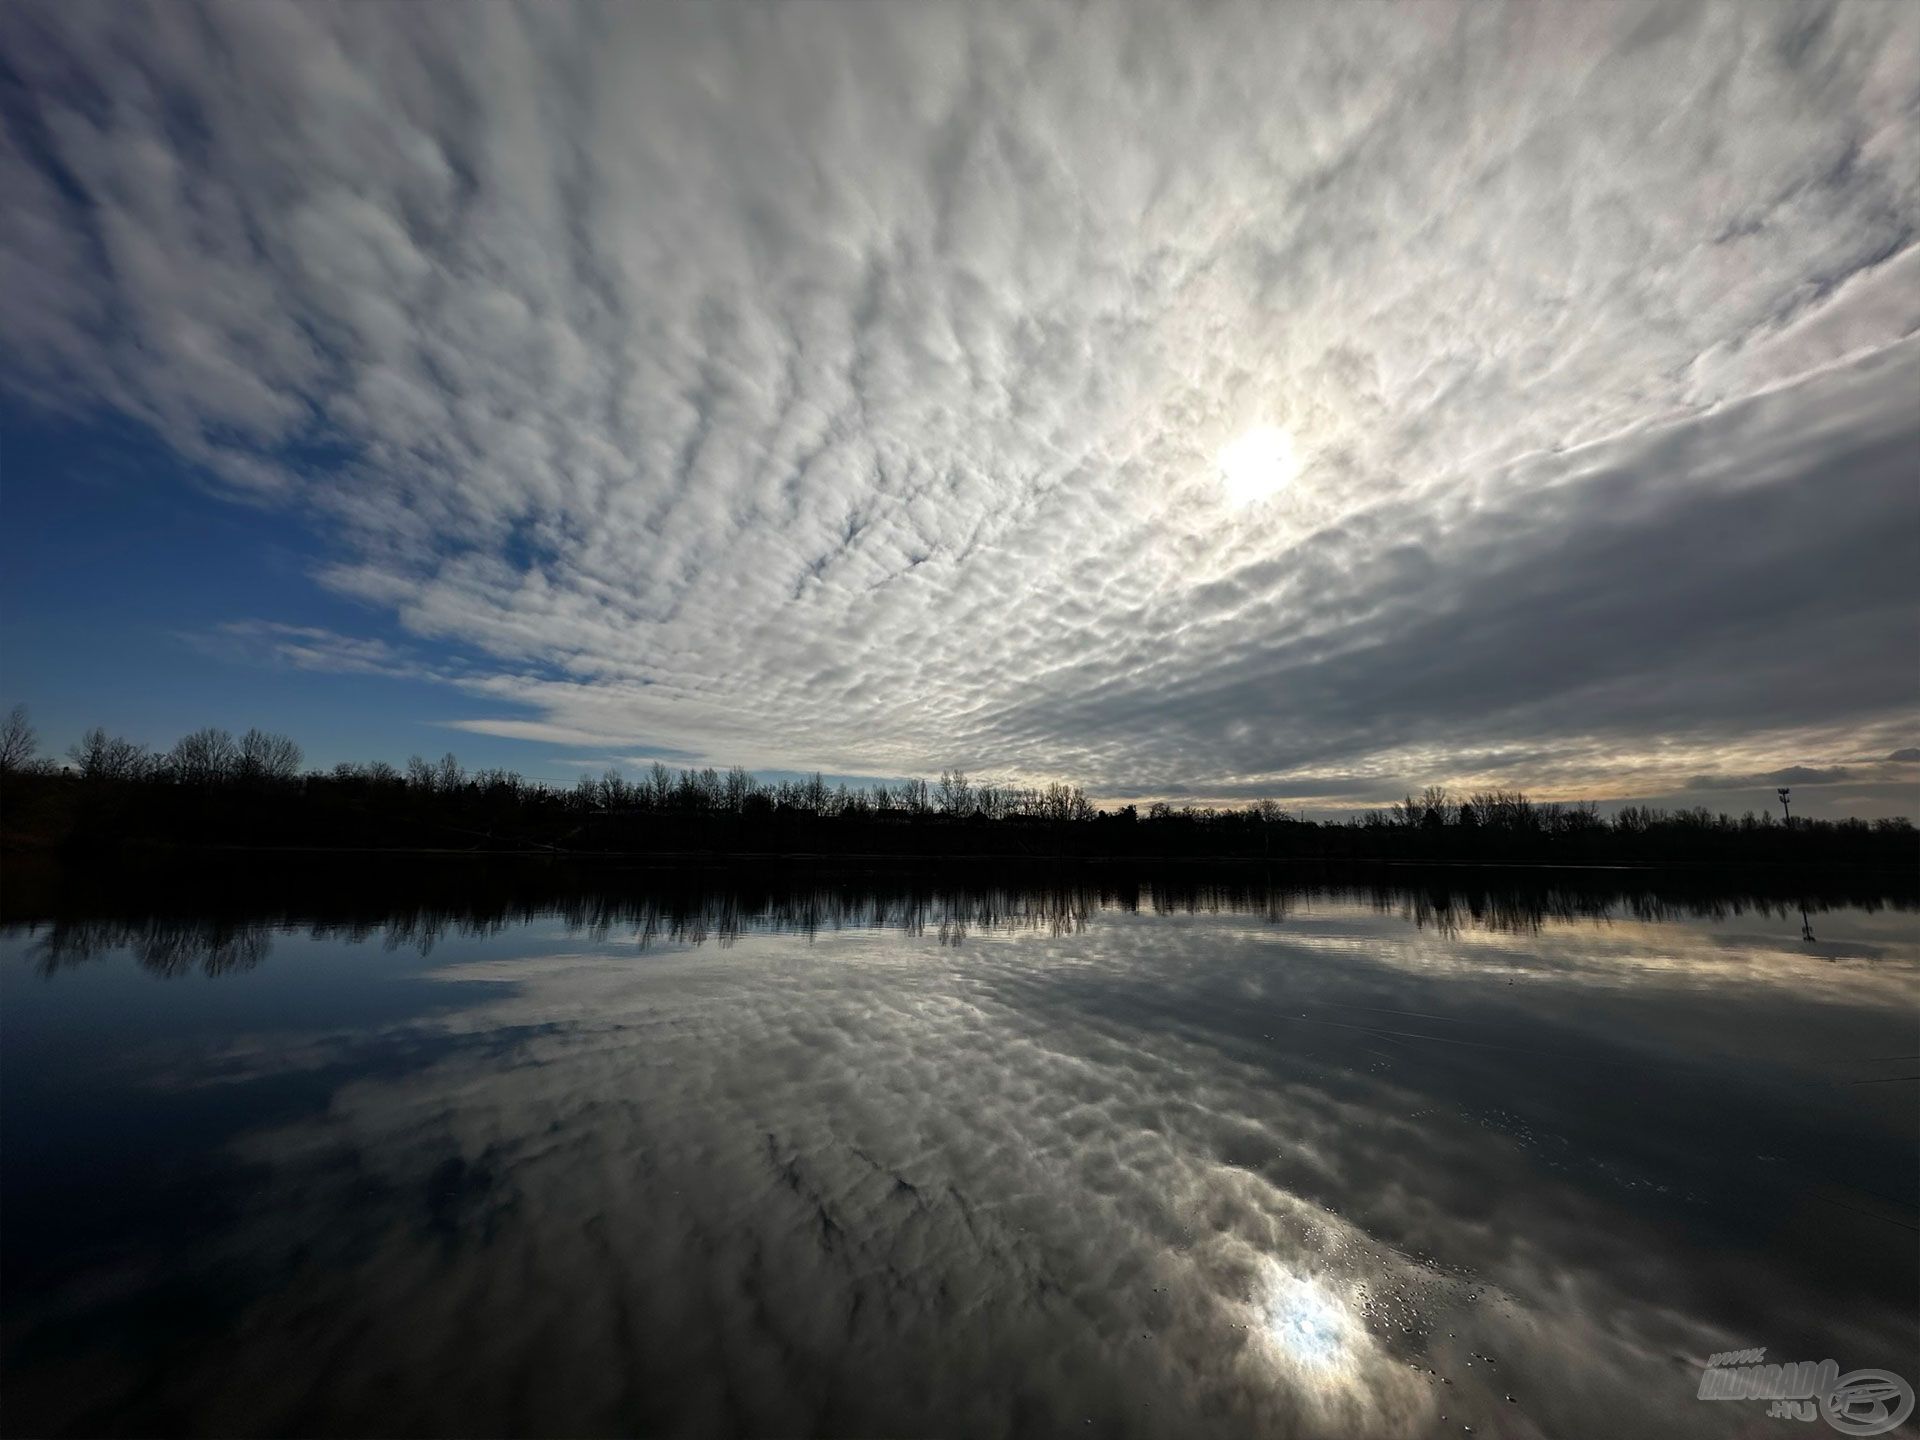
(1307, 1324)
(1258, 465)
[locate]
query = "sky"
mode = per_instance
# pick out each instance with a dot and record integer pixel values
(1188, 402)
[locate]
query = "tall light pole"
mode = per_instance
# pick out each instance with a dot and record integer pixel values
(1785, 813)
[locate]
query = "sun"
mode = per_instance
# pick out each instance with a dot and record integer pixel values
(1258, 465)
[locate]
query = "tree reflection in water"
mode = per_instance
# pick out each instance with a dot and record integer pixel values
(181, 924)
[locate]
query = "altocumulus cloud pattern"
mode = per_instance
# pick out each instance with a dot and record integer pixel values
(844, 386)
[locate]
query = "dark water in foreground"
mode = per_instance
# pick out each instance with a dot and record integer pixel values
(961, 1159)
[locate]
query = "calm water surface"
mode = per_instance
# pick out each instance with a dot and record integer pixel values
(835, 1159)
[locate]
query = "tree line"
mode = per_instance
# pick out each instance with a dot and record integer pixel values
(212, 788)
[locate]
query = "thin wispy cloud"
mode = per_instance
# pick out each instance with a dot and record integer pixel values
(309, 647)
(842, 386)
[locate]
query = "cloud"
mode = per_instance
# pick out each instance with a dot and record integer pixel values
(841, 388)
(1866, 788)
(312, 647)
(1792, 775)
(1908, 755)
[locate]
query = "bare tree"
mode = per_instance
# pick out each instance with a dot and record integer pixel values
(1503, 810)
(1581, 817)
(206, 757)
(709, 791)
(615, 792)
(500, 782)
(100, 756)
(954, 793)
(814, 797)
(267, 758)
(660, 786)
(739, 785)
(18, 743)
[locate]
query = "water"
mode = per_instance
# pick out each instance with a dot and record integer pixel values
(1127, 1156)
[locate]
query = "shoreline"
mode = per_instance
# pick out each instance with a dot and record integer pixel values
(137, 851)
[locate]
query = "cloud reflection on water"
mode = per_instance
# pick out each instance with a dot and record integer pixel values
(1161, 1173)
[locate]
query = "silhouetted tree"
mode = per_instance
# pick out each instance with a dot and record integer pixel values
(813, 797)
(100, 756)
(955, 793)
(268, 759)
(18, 743)
(660, 787)
(738, 786)
(206, 757)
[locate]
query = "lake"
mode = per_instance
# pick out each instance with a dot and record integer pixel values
(974, 1154)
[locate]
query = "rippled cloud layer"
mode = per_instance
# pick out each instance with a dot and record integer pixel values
(843, 387)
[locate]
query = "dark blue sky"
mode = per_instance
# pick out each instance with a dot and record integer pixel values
(118, 568)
